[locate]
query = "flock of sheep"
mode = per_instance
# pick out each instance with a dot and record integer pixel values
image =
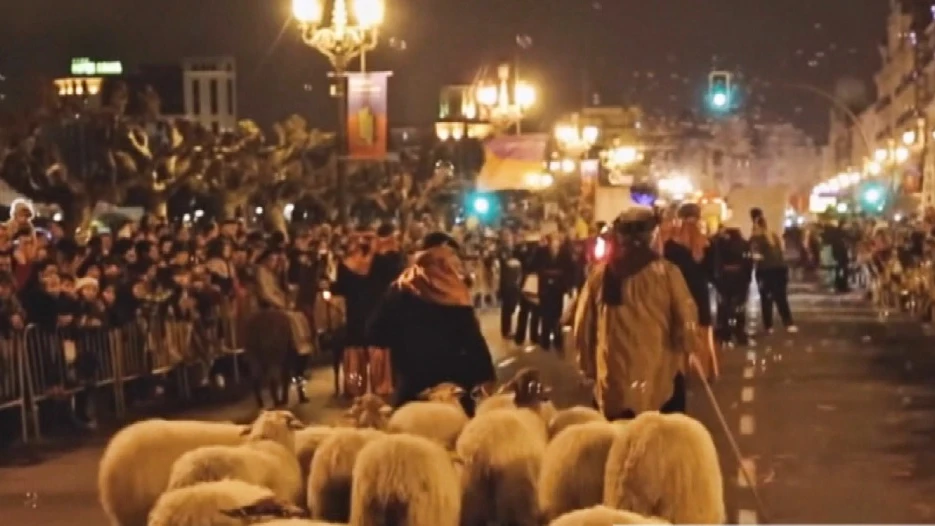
(519, 461)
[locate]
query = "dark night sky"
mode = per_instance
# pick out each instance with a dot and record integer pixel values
(654, 52)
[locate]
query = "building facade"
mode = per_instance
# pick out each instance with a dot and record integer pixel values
(210, 87)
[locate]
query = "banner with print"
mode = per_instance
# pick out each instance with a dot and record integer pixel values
(367, 125)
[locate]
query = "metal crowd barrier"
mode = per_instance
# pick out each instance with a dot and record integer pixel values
(39, 365)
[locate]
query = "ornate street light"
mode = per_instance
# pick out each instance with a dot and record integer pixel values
(352, 30)
(506, 107)
(574, 139)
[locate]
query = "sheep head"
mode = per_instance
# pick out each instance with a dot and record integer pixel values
(445, 392)
(527, 387)
(369, 411)
(276, 426)
(266, 510)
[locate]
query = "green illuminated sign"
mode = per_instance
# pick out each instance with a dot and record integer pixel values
(84, 66)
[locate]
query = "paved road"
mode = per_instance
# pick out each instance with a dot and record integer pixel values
(836, 424)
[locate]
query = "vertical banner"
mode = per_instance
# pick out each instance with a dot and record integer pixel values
(367, 127)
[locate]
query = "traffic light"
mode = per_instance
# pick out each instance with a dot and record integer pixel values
(873, 197)
(720, 96)
(481, 205)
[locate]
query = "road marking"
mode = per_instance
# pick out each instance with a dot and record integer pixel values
(747, 425)
(748, 373)
(751, 356)
(750, 465)
(746, 517)
(746, 395)
(507, 362)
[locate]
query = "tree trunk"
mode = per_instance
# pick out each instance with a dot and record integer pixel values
(274, 216)
(77, 214)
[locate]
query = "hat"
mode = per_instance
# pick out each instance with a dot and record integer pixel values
(86, 282)
(732, 223)
(437, 239)
(636, 220)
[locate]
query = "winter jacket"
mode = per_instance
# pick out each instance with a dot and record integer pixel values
(633, 351)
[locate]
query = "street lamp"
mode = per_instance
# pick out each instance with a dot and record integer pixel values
(504, 106)
(575, 139)
(353, 31)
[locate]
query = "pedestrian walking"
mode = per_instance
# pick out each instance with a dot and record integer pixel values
(509, 288)
(772, 275)
(635, 324)
(428, 323)
(733, 269)
(554, 267)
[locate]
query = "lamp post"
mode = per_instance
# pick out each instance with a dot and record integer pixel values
(576, 139)
(506, 105)
(352, 30)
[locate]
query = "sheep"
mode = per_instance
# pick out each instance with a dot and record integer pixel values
(603, 516)
(368, 411)
(300, 522)
(307, 442)
(667, 466)
(404, 480)
(220, 503)
(270, 350)
(134, 469)
(329, 480)
(267, 458)
(525, 390)
(501, 457)
(565, 418)
(572, 475)
(439, 417)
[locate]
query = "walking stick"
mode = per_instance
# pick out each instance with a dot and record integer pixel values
(760, 508)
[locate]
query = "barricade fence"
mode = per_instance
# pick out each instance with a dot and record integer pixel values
(39, 365)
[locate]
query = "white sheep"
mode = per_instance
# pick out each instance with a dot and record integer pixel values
(501, 458)
(368, 411)
(405, 480)
(572, 416)
(667, 466)
(219, 503)
(307, 442)
(439, 416)
(572, 475)
(300, 522)
(330, 477)
(134, 469)
(525, 391)
(603, 516)
(266, 458)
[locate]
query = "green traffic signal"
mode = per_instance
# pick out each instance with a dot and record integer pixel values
(719, 90)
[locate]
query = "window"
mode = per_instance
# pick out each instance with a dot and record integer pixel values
(196, 97)
(230, 96)
(214, 96)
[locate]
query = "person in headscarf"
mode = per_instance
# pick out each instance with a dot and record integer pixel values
(427, 321)
(636, 324)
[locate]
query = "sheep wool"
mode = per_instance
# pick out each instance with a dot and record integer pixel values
(572, 416)
(330, 477)
(267, 459)
(300, 522)
(134, 470)
(572, 476)
(603, 516)
(438, 421)
(665, 465)
(307, 442)
(405, 480)
(215, 504)
(501, 458)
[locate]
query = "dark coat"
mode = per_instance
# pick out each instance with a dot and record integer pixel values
(697, 274)
(429, 344)
(360, 297)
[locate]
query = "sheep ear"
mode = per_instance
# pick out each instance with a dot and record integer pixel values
(245, 430)
(295, 424)
(386, 410)
(424, 395)
(457, 391)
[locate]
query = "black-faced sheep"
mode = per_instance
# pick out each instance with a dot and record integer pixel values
(405, 480)
(439, 416)
(266, 458)
(603, 516)
(134, 470)
(501, 457)
(219, 503)
(331, 474)
(368, 411)
(572, 416)
(667, 466)
(572, 476)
